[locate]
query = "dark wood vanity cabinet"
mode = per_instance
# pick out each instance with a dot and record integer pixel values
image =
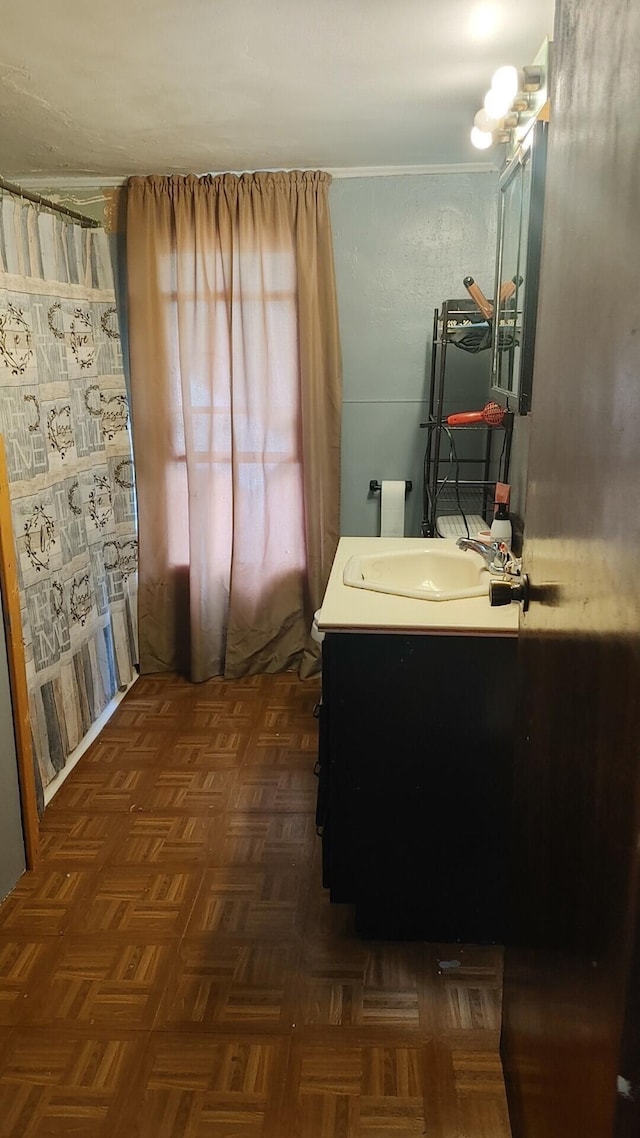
(415, 773)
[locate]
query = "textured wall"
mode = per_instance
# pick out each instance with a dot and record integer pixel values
(402, 246)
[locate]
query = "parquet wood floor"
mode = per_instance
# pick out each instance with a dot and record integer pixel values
(174, 969)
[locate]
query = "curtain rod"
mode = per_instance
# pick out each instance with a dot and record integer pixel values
(14, 188)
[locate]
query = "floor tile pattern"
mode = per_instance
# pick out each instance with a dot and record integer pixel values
(173, 969)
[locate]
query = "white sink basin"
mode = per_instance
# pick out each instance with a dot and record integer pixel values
(427, 574)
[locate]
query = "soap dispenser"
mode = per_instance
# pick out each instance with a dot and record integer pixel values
(501, 525)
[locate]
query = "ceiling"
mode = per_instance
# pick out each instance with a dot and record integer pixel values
(156, 86)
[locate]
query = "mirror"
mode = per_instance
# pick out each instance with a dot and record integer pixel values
(520, 211)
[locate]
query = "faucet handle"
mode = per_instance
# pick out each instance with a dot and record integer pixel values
(504, 592)
(495, 553)
(501, 556)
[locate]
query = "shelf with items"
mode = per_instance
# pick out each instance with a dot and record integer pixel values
(454, 505)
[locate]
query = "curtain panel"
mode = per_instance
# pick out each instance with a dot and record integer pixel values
(236, 397)
(65, 420)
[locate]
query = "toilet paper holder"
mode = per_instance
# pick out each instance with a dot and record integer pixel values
(375, 487)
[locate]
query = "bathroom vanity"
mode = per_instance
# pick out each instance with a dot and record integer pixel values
(415, 757)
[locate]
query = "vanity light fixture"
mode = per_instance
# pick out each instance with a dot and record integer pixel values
(497, 103)
(481, 139)
(507, 103)
(485, 122)
(505, 82)
(484, 20)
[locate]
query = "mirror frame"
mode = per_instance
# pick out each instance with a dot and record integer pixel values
(533, 150)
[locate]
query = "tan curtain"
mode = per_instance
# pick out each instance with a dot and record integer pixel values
(236, 396)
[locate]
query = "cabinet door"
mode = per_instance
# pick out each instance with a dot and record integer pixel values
(322, 800)
(421, 732)
(341, 829)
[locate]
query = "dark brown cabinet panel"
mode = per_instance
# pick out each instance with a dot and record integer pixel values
(416, 782)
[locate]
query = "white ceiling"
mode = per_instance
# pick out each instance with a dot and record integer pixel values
(188, 86)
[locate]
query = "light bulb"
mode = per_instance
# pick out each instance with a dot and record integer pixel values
(483, 21)
(496, 104)
(505, 81)
(481, 139)
(485, 122)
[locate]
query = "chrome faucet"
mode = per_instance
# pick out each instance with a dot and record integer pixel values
(494, 553)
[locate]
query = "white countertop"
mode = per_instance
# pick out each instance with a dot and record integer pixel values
(346, 609)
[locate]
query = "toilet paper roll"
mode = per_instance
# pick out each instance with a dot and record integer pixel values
(392, 500)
